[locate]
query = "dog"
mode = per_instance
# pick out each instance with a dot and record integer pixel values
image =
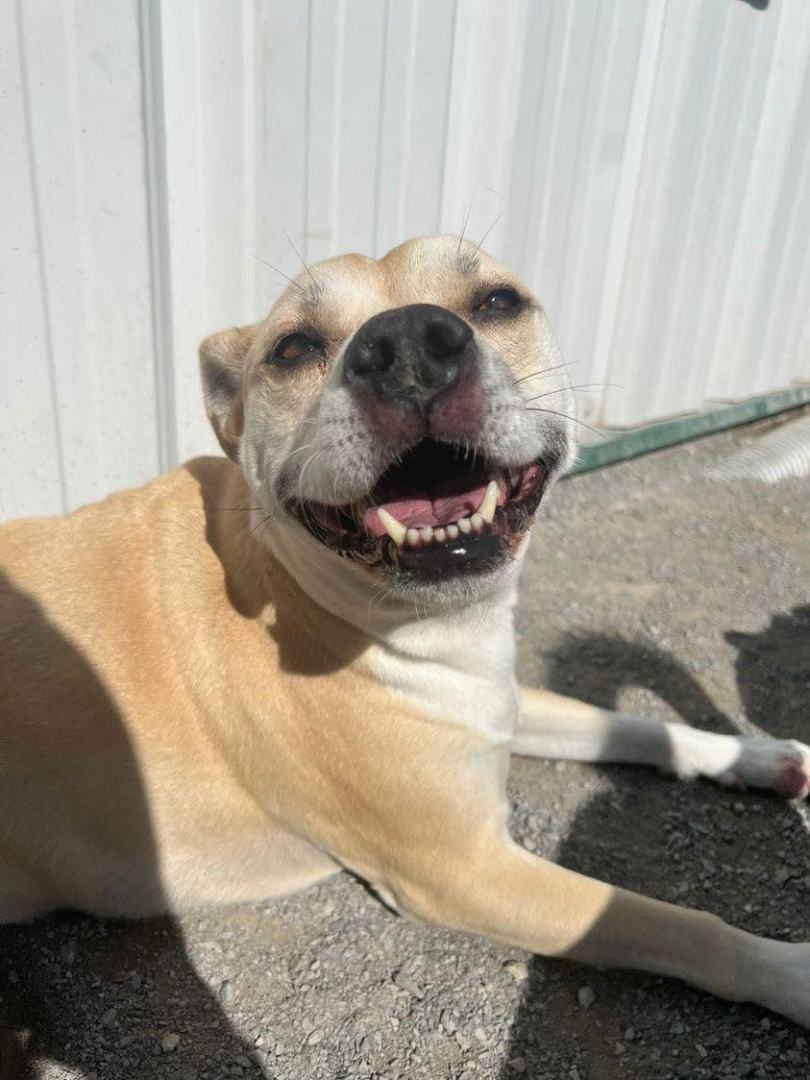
(306, 646)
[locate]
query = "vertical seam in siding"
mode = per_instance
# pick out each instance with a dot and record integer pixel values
(305, 215)
(46, 307)
(448, 101)
(622, 222)
(157, 196)
(375, 210)
(251, 37)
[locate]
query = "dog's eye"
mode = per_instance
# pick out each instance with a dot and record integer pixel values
(294, 348)
(497, 302)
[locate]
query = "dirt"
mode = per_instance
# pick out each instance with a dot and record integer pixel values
(647, 586)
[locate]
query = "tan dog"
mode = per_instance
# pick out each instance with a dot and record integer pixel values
(305, 653)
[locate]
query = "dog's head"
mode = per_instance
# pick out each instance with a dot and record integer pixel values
(407, 413)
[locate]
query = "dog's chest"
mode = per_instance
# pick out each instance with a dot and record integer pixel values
(462, 680)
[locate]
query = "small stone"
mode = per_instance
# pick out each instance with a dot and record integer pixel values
(226, 994)
(169, 1042)
(257, 1057)
(619, 1049)
(702, 1051)
(629, 1034)
(404, 981)
(517, 1064)
(108, 1019)
(517, 969)
(586, 997)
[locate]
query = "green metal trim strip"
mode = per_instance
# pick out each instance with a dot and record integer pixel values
(630, 444)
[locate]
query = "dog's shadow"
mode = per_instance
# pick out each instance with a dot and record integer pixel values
(638, 837)
(89, 994)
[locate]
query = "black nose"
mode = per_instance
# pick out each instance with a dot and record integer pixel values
(409, 354)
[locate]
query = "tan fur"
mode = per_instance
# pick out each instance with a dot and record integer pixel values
(182, 724)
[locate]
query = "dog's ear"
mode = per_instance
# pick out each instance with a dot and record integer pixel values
(222, 364)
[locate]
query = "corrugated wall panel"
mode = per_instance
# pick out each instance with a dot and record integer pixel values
(644, 165)
(31, 480)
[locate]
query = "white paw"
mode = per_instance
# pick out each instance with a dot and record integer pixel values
(779, 978)
(779, 765)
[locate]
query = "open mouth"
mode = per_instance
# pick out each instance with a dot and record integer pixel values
(439, 510)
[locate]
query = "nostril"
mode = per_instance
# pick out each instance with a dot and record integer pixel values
(387, 353)
(445, 338)
(374, 355)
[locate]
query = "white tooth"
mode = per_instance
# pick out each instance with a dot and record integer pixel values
(489, 502)
(477, 522)
(452, 531)
(413, 537)
(439, 535)
(395, 529)
(426, 534)
(464, 524)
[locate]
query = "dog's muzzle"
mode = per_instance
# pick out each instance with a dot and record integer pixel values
(409, 357)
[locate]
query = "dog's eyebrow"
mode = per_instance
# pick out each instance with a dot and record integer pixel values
(312, 294)
(467, 263)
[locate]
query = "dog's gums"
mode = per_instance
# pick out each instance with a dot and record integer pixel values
(439, 509)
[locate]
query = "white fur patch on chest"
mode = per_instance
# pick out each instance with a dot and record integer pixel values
(463, 679)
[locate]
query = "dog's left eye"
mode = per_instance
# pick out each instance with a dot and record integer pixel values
(497, 302)
(294, 348)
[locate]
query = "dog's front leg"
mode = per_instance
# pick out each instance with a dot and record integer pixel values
(553, 726)
(504, 893)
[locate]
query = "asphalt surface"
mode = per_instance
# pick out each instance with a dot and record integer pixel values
(647, 586)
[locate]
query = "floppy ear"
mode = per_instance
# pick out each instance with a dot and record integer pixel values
(222, 364)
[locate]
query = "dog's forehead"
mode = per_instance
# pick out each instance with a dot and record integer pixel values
(346, 290)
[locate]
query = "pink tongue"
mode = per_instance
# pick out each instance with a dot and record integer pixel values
(419, 510)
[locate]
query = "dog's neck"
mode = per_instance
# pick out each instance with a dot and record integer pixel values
(475, 634)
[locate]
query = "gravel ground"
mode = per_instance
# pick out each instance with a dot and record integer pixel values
(647, 586)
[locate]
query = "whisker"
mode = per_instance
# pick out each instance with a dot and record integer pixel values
(306, 446)
(467, 218)
(287, 277)
(302, 260)
(263, 522)
(489, 230)
(565, 416)
(588, 387)
(545, 371)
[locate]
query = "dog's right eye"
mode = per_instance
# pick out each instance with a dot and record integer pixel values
(294, 348)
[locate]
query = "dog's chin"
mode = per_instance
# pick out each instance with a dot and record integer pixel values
(440, 514)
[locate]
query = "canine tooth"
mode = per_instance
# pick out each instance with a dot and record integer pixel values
(413, 537)
(439, 535)
(477, 522)
(395, 529)
(489, 502)
(452, 531)
(464, 524)
(426, 534)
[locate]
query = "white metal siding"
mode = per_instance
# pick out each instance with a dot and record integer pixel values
(649, 160)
